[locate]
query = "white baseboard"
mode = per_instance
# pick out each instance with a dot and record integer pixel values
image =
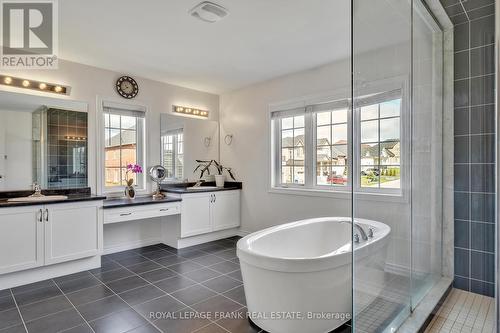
(243, 233)
(131, 245)
(20, 278)
(210, 237)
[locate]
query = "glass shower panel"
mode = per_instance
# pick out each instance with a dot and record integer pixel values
(426, 150)
(381, 137)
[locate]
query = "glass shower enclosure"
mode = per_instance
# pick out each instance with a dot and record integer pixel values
(397, 108)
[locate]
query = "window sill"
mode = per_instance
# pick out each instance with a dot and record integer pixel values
(120, 193)
(345, 195)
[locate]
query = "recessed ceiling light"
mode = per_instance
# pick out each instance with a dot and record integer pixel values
(209, 12)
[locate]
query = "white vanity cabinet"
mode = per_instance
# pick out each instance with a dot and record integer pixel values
(21, 238)
(209, 211)
(34, 236)
(71, 231)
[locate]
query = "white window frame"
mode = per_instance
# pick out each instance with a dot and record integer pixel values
(310, 187)
(116, 191)
(174, 133)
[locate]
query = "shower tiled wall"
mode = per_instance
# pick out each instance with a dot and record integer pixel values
(474, 149)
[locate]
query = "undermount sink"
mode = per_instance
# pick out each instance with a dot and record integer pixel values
(38, 198)
(195, 188)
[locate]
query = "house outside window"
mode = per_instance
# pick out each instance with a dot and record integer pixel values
(123, 145)
(311, 145)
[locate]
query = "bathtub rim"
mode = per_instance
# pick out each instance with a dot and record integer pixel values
(327, 261)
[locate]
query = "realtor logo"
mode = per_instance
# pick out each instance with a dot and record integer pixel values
(29, 34)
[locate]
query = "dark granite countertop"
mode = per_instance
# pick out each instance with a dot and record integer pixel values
(201, 189)
(116, 203)
(181, 188)
(74, 195)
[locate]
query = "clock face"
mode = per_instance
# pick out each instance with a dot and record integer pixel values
(127, 87)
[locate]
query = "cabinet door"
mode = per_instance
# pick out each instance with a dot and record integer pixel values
(195, 215)
(226, 210)
(72, 231)
(21, 238)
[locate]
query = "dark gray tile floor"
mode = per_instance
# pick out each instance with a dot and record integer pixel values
(136, 291)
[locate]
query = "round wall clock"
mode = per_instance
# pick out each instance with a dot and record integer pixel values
(127, 87)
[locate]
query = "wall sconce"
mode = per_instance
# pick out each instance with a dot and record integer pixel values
(228, 139)
(34, 85)
(190, 111)
(207, 141)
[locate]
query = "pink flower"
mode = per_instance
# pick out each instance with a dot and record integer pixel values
(134, 168)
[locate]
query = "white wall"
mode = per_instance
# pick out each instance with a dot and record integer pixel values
(88, 84)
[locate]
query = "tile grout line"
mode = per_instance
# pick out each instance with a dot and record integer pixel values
(18, 311)
(195, 283)
(74, 307)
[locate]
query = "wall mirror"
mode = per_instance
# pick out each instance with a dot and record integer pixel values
(42, 140)
(184, 140)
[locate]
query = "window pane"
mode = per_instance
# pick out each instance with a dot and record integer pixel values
(114, 121)
(286, 175)
(369, 176)
(369, 131)
(287, 156)
(121, 148)
(369, 154)
(338, 176)
(298, 139)
(129, 155)
(390, 177)
(298, 175)
(298, 121)
(128, 122)
(106, 120)
(287, 123)
(323, 135)
(339, 134)
(322, 118)
(323, 155)
(287, 138)
(339, 116)
(298, 156)
(323, 170)
(128, 137)
(112, 176)
(389, 129)
(390, 153)
(369, 112)
(390, 108)
(112, 137)
(339, 155)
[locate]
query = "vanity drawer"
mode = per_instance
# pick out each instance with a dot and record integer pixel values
(122, 214)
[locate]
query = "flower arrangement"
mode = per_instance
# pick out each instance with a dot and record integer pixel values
(129, 189)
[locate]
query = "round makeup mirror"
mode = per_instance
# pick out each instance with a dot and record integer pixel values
(157, 174)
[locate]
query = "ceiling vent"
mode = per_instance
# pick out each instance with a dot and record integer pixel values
(209, 12)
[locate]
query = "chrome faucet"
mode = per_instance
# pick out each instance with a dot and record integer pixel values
(361, 231)
(38, 190)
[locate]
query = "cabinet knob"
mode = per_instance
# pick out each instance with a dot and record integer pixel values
(125, 214)
(40, 215)
(46, 214)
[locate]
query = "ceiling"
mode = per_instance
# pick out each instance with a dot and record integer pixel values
(158, 39)
(257, 41)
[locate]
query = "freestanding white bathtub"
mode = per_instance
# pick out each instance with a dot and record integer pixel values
(297, 276)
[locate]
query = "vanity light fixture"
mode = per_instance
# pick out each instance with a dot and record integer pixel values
(34, 85)
(75, 138)
(190, 111)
